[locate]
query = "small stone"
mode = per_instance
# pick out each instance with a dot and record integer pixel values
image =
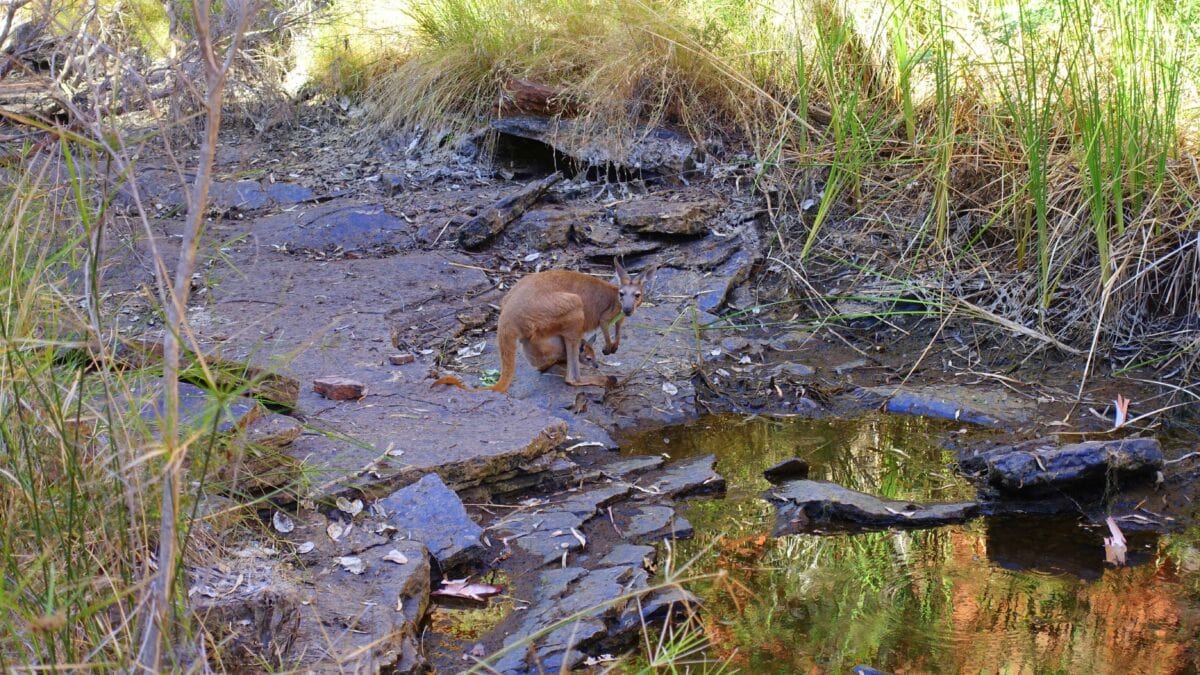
(794, 371)
(786, 470)
(339, 388)
(843, 368)
(401, 359)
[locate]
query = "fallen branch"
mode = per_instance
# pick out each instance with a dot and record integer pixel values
(483, 227)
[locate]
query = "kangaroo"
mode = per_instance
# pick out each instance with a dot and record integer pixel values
(550, 312)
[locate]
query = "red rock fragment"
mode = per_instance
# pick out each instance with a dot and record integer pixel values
(401, 359)
(339, 388)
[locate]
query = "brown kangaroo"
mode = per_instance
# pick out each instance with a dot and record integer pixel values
(549, 313)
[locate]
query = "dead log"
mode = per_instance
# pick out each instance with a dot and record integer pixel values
(522, 97)
(483, 227)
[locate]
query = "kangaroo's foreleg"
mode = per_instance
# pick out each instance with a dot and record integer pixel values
(611, 344)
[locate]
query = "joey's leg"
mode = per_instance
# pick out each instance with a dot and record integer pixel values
(573, 377)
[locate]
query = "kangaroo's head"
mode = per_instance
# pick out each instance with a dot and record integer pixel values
(631, 290)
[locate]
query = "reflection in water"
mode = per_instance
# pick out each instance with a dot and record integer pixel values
(1013, 595)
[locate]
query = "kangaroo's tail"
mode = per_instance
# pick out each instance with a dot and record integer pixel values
(506, 340)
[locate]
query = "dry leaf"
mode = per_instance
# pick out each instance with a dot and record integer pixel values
(306, 547)
(462, 588)
(1114, 546)
(335, 531)
(1120, 411)
(351, 507)
(351, 563)
(670, 389)
(282, 522)
(396, 557)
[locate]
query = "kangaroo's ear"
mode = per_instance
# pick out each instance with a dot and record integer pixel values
(622, 277)
(591, 340)
(647, 276)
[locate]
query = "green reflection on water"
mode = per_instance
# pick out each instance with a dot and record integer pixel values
(987, 596)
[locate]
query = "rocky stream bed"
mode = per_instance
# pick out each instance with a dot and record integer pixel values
(388, 269)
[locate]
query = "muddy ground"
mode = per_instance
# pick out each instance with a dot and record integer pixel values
(327, 258)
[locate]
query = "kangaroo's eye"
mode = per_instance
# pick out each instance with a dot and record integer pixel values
(638, 294)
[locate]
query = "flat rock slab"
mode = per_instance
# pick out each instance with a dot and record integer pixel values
(686, 478)
(548, 533)
(655, 215)
(595, 595)
(995, 408)
(303, 317)
(368, 622)
(805, 505)
(630, 554)
(432, 514)
(336, 228)
(160, 188)
(200, 410)
(1041, 466)
(652, 523)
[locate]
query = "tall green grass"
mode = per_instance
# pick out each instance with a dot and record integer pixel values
(1040, 145)
(78, 496)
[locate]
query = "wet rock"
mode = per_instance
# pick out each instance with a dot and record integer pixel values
(593, 595)
(651, 523)
(807, 504)
(623, 468)
(366, 623)
(654, 215)
(338, 388)
(1040, 467)
(252, 608)
(658, 151)
(335, 229)
(786, 470)
(431, 513)
(630, 554)
(686, 478)
(549, 533)
(985, 407)
(669, 604)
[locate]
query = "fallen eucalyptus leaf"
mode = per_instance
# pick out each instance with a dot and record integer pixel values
(351, 507)
(461, 588)
(282, 522)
